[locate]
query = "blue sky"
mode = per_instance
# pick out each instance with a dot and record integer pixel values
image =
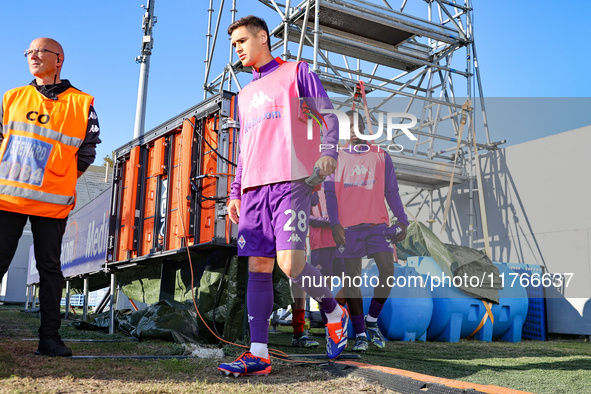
(528, 48)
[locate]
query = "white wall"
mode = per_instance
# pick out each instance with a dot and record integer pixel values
(538, 205)
(14, 284)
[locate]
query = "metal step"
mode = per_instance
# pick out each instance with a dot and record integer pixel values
(407, 56)
(425, 173)
(374, 21)
(374, 33)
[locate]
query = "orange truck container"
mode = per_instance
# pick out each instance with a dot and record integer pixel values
(171, 185)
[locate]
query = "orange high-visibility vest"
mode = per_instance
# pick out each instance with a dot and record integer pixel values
(39, 152)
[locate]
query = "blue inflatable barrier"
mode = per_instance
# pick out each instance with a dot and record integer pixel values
(407, 312)
(457, 315)
(511, 312)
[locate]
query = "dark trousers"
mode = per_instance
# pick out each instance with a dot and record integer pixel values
(47, 239)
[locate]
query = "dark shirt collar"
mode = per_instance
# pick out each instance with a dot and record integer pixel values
(52, 91)
(266, 69)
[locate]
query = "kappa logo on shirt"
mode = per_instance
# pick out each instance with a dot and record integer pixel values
(241, 242)
(360, 169)
(294, 238)
(259, 99)
(250, 318)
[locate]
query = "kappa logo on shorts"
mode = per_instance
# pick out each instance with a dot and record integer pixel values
(241, 242)
(294, 238)
(250, 318)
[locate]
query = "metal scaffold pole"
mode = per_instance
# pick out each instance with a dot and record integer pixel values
(113, 303)
(286, 22)
(149, 20)
(208, 36)
(207, 88)
(415, 56)
(233, 11)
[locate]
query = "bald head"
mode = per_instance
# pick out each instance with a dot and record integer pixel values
(46, 65)
(48, 43)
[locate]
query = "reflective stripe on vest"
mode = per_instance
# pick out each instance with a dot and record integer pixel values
(47, 133)
(36, 195)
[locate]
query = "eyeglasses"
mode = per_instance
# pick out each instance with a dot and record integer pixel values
(38, 51)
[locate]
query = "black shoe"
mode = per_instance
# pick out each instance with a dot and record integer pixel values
(53, 347)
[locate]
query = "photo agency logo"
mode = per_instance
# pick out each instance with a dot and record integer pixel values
(393, 122)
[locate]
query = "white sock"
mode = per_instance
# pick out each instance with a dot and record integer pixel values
(259, 349)
(361, 335)
(335, 316)
(370, 319)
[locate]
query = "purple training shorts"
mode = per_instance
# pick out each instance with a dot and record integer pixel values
(274, 217)
(364, 240)
(325, 260)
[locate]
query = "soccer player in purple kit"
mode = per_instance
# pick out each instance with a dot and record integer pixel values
(360, 224)
(298, 318)
(269, 200)
(322, 244)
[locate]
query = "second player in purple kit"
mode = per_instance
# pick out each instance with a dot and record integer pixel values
(360, 225)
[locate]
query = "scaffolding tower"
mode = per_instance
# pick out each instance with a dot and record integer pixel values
(418, 58)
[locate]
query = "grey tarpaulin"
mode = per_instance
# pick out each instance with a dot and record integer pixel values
(453, 260)
(165, 320)
(169, 321)
(144, 284)
(100, 322)
(282, 292)
(229, 313)
(235, 299)
(230, 296)
(141, 283)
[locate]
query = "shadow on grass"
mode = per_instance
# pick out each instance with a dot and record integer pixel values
(18, 363)
(515, 365)
(467, 358)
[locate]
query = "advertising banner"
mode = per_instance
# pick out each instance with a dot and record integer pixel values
(84, 245)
